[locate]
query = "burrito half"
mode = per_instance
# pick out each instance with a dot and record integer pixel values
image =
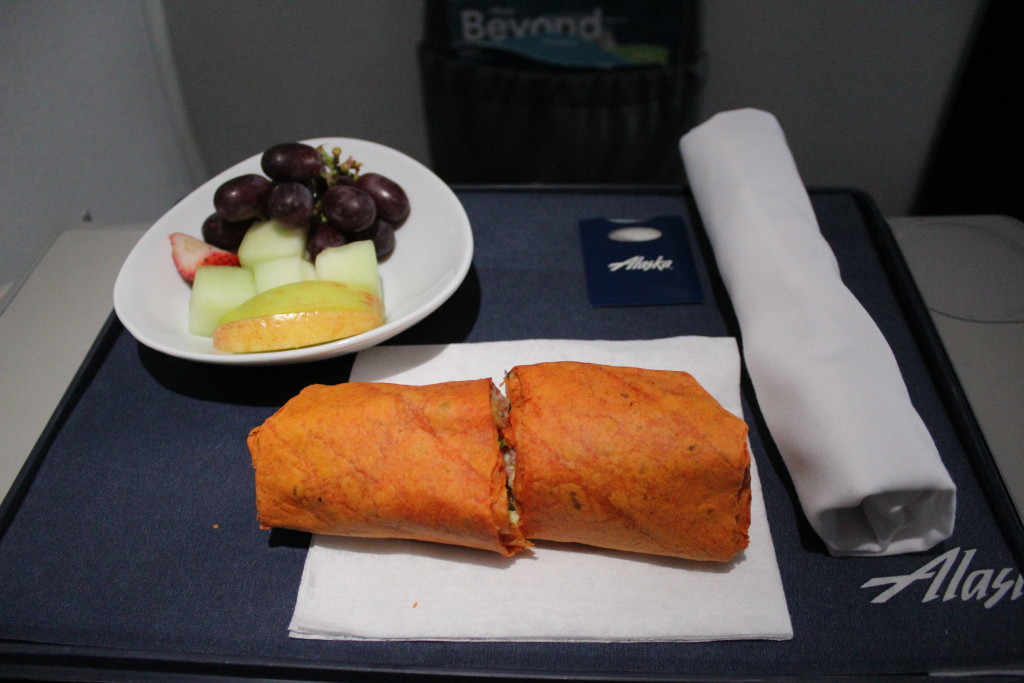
(636, 460)
(388, 461)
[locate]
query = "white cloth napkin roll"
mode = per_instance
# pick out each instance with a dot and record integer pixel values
(865, 467)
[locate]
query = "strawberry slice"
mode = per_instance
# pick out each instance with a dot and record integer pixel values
(189, 253)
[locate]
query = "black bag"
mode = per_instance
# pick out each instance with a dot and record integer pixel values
(526, 122)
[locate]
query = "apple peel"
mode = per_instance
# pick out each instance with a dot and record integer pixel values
(297, 315)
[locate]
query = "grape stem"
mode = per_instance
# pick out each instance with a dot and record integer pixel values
(336, 169)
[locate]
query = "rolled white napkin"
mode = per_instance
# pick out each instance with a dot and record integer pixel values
(865, 467)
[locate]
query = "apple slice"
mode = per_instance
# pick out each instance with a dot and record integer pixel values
(298, 314)
(281, 271)
(354, 263)
(269, 240)
(215, 291)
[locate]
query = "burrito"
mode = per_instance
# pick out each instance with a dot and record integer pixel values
(642, 461)
(385, 460)
(635, 460)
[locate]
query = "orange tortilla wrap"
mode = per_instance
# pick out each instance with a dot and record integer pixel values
(388, 461)
(636, 460)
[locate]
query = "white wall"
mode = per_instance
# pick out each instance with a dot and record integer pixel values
(84, 129)
(859, 86)
(255, 74)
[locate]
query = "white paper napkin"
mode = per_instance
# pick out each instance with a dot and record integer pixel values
(867, 471)
(394, 589)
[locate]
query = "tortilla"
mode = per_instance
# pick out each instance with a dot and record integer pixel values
(636, 460)
(385, 460)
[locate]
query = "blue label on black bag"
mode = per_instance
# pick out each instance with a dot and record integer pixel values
(570, 33)
(637, 263)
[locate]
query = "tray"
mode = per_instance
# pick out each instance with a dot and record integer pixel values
(129, 547)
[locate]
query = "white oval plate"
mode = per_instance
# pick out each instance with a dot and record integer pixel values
(433, 254)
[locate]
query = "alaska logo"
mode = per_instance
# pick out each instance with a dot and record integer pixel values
(640, 263)
(952, 584)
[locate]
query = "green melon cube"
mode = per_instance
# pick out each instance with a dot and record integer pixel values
(215, 291)
(282, 271)
(269, 240)
(354, 263)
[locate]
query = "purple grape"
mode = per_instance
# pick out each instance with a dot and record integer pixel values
(242, 198)
(291, 161)
(384, 239)
(291, 203)
(323, 235)
(348, 208)
(317, 186)
(391, 200)
(224, 234)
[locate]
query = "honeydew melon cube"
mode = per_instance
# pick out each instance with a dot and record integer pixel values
(281, 271)
(354, 263)
(215, 291)
(269, 240)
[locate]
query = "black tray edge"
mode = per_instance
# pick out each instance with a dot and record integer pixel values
(950, 390)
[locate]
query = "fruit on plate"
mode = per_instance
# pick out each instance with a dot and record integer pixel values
(243, 197)
(349, 209)
(304, 187)
(384, 238)
(354, 263)
(390, 199)
(308, 189)
(305, 238)
(269, 240)
(291, 203)
(298, 314)
(215, 291)
(189, 253)
(224, 234)
(323, 235)
(291, 161)
(281, 271)
(287, 302)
